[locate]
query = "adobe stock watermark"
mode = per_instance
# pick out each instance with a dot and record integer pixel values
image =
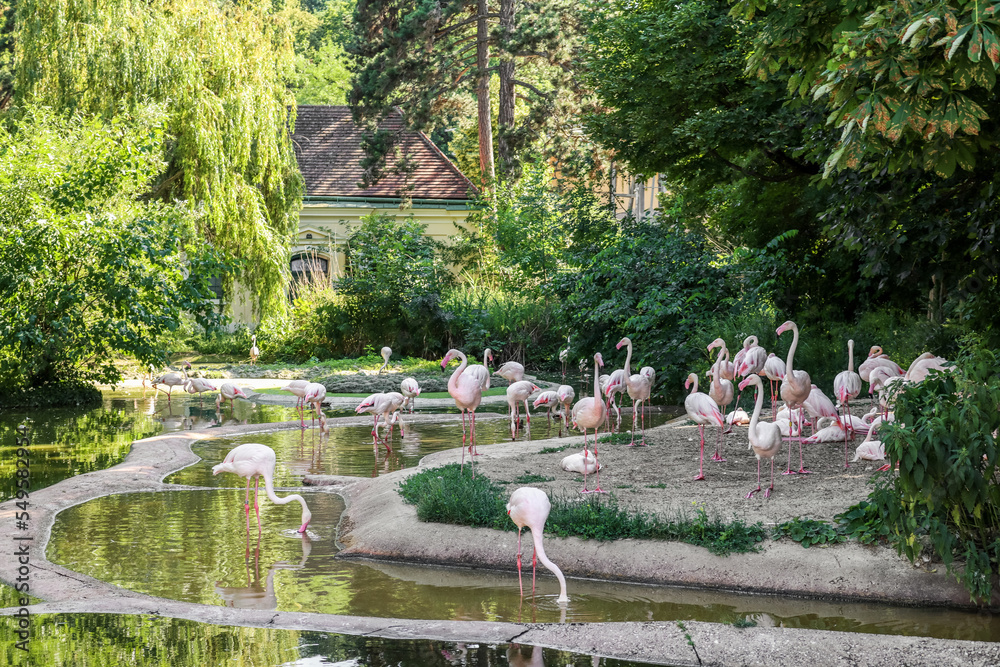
(22, 537)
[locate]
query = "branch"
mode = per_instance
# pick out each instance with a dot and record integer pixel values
(747, 172)
(524, 84)
(452, 28)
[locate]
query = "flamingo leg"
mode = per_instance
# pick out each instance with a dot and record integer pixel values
(597, 464)
(802, 468)
(847, 432)
(718, 444)
(256, 505)
(767, 493)
(462, 468)
(750, 495)
(585, 490)
(701, 455)
(632, 444)
(519, 583)
(534, 567)
(246, 505)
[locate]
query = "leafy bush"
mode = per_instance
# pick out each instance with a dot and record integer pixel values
(946, 497)
(447, 495)
(56, 394)
(808, 532)
(863, 522)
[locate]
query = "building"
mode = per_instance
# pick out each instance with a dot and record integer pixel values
(328, 147)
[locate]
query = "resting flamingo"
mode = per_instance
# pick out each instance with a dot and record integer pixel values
(468, 394)
(591, 413)
(703, 411)
(639, 388)
(530, 507)
(583, 463)
(795, 389)
(410, 389)
(254, 350)
(923, 365)
(877, 358)
(386, 353)
(774, 369)
(253, 460)
(765, 438)
(511, 371)
(720, 391)
(516, 393)
(482, 373)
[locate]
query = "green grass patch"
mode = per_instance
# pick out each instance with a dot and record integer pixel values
(620, 438)
(446, 495)
(744, 622)
(808, 532)
(661, 485)
(532, 478)
(554, 450)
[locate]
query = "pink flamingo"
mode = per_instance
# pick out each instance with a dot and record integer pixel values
(591, 413)
(199, 386)
(172, 380)
(819, 406)
(922, 365)
(386, 353)
(847, 385)
(720, 391)
(548, 400)
(253, 460)
(774, 369)
(511, 371)
(315, 393)
(297, 388)
(754, 358)
(530, 507)
(614, 385)
(410, 389)
(482, 372)
(639, 388)
(371, 405)
(229, 392)
(468, 394)
(254, 350)
(566, 396)
(703, 411)
(517, 392)
(795, 389)
(876, 358)
(765, 438)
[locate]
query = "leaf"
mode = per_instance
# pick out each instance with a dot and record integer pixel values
(957, 41)
(913, 28)
(992, 45)
(976, 45)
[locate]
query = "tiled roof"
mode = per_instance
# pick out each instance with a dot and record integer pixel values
(328, 148)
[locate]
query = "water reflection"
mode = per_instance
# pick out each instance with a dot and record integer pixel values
(193, 546)
(91, 640)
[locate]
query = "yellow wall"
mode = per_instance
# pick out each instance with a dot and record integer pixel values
(634, 193)
(325, 226)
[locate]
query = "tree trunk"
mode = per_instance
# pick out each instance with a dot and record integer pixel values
(505, 118)
(483, 95)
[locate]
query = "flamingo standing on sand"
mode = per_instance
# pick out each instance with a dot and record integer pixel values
(468, 394)
(795, 389)
(774, 370)
(410, 389)
(639, 388)
(253, 460)
(765, 438)
(511, 371)
(703, 411)
(819, 406)
(846, 386)
(482, 372)
(530, 507)
(386, 353)
(228, 392)
(254, 350)
(720, 390)
(591, 413)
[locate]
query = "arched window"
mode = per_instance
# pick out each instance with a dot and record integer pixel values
(308, 269)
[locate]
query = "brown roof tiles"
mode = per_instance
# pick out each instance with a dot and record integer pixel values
(329, 152)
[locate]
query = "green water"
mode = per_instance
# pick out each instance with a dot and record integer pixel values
(106, 640)
(193, 546)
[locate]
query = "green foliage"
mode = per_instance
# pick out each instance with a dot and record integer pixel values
(808, 532)
(654, 283)
(531, 478)
(218, 69)
(445, 495)
(554, 450)
(88, 268)
(391, 289)
(57, 394)
(863, 522)
(946, 497)
(744, 622)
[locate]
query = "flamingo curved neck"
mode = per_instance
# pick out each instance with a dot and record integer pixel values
(540, 555)
(269, 489)
(628, 360)
(694, 389)
(453, 380)
(791, 350)
(756, 412)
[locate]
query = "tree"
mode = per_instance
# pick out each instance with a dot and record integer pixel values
(219, 69)
(426, 57)
(88, 268)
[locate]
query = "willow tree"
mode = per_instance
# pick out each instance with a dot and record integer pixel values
(219, 68)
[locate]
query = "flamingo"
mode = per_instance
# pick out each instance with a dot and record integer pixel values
(566, 396)
(173, 379)
(765, 438)
(410, 389)
(774, 369)
(199, 386)
(253, 460)
(390, 402)
(704, 412)
(882, 381)
(795, 389)
(370, 405)
(754, 358)
(386, 353)
(639, 388)
(511, 371)
(871, 449)
(254, 350)
(315, 393)
(738, 416)
(835, 431)
(297, 388)
(517, 392)
(467, 394)
(582, 463)
(591, 413)
(549, 399)
(482, 373)
(530, 507)
(564, 357)
(614, 384)
(876, 358)
(229, 392)
(847, 384)
(720, 391)
(923, 365)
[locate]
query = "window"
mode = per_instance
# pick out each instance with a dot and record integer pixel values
(308, 269)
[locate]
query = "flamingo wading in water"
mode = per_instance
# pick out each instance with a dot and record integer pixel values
(253, 460)
(529, 507)
(468, 394)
